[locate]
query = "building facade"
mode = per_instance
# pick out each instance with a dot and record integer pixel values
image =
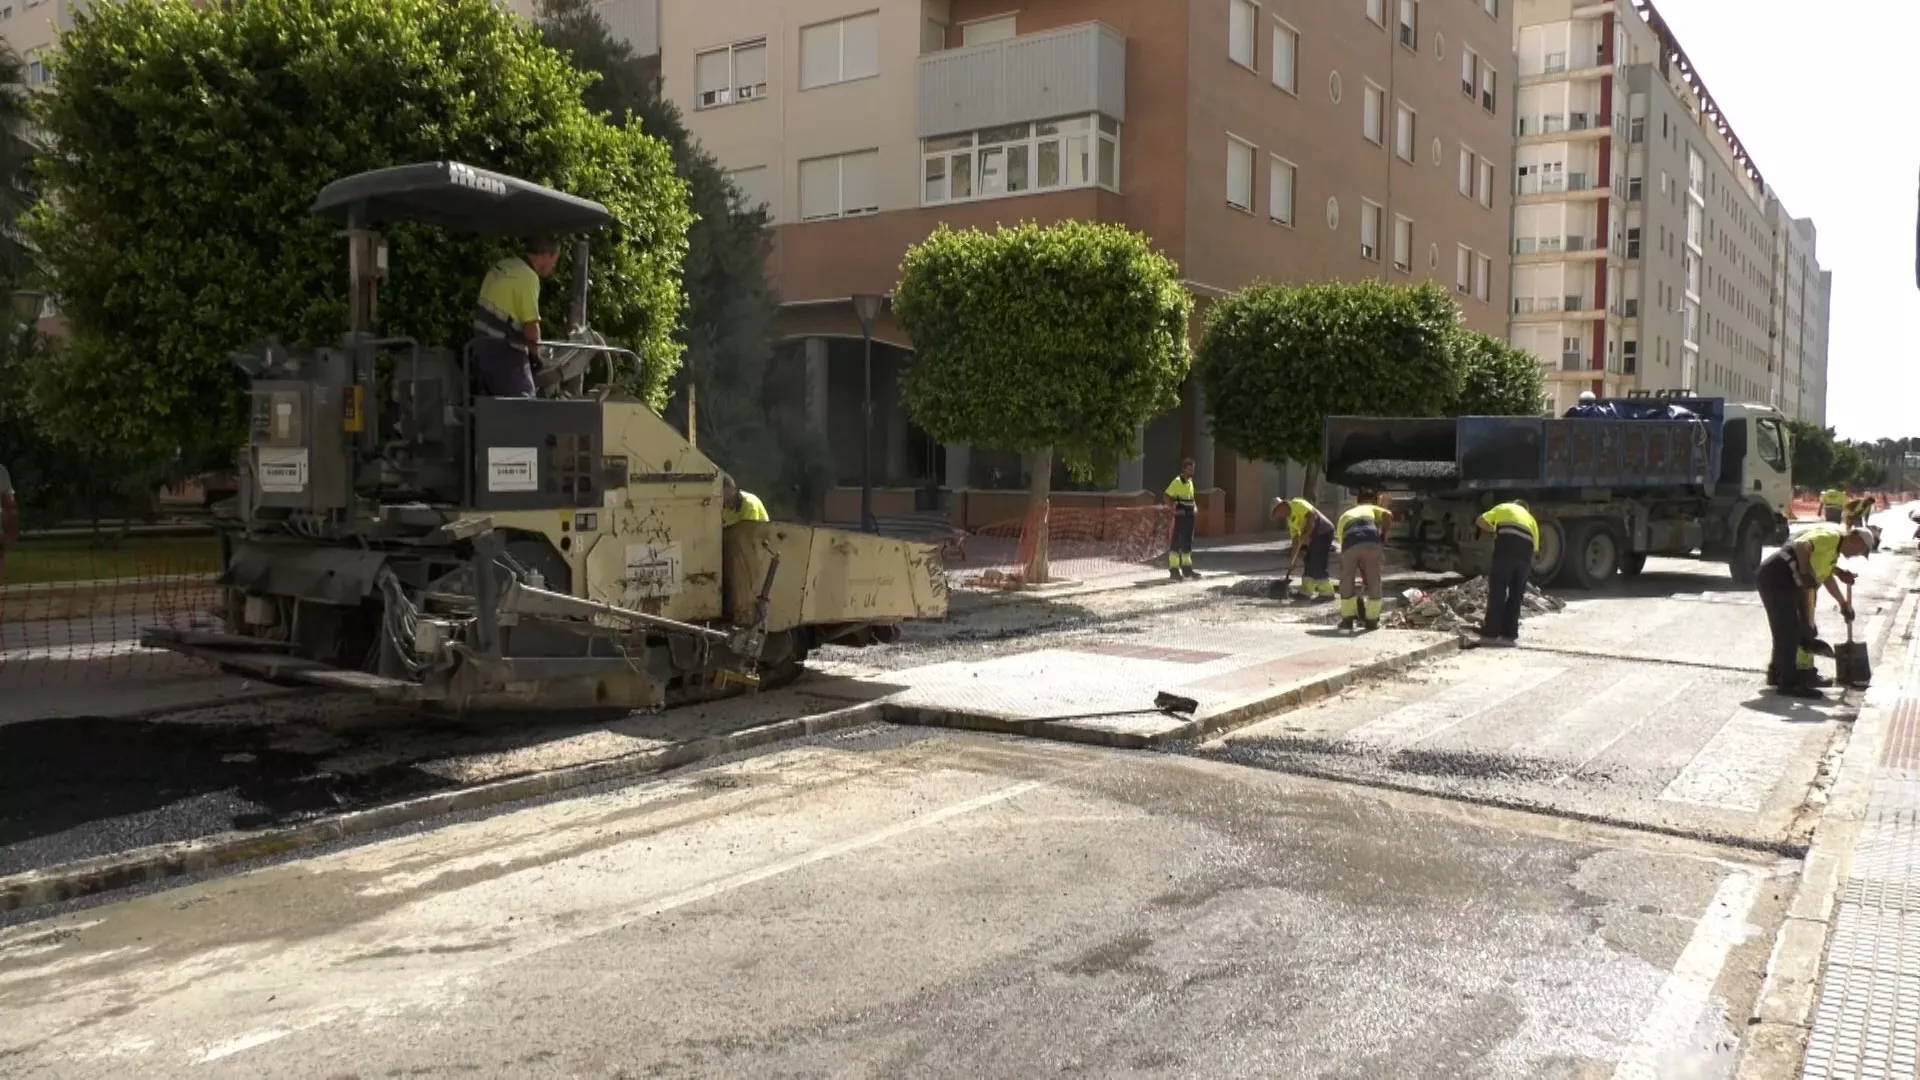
(1650, 255)
(1285, 140)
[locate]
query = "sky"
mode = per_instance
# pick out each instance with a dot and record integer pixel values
(1828, 105)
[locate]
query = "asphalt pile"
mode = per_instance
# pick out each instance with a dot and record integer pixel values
(1460, 607)
(1392, 469)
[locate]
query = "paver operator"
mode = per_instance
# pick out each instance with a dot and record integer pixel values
(506, 320)
(1833, 504)
(1311, 531)
(1516, 536)
(1363, 555)
(1786, 582)
(737, 506)
(1185, 512)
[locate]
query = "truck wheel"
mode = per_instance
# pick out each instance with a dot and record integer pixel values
(1550, 554)
(1744, 562)
(1593, 555)
(1632, 563)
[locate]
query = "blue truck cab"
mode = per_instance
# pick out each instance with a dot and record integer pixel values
(1629, 478)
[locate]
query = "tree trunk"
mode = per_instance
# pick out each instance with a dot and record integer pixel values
(1312, 484)
(1038, 511)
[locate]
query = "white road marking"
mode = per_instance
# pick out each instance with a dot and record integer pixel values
(1422, 720)
(1738, 767)
(235, 1046)
(1666, 1034)
(1603, 719)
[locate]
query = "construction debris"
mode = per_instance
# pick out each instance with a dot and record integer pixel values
(1460, 607)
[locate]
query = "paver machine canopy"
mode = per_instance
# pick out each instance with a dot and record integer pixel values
(398, 532)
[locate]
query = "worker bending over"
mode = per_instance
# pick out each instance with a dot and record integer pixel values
(1363, 556)
(1185, 512)
(737, 506)
(1833, 504)
(1516, 536)
(1786, 582)
(1859, 510)
(506, 321)
(1311, 531)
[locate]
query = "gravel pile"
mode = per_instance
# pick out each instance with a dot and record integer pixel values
(1390, 469)
(1461, 607)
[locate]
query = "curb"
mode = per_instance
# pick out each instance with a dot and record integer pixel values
(1226, 718)
(34, 888)
(1774, 1044)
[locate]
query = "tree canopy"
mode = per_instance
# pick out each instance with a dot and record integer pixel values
(191, 141)
(1277, 360)
(1496, 379)
(1065, 337)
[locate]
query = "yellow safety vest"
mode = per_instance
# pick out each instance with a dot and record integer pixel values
(1361, 525)
(1512, 519)
(1181, 492)
(1299, 513)
(1823, 542)
(751, 509)
(1833, 497)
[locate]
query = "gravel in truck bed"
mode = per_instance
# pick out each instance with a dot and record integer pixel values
(1390, 469)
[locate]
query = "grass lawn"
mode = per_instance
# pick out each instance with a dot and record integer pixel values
(84, 559)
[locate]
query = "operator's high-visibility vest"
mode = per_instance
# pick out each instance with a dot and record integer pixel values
(1360, 525)
(1835, 497)
(751, 509)
(1512, 519)
(1181, 492)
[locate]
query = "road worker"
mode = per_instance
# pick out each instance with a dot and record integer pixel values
(1786, 582)
(1363, 554)
(1310, 531)
(1859, 510)
(1833, 504)
(506, 319)
(737, 506)
(1516, 536)
(1186, 511)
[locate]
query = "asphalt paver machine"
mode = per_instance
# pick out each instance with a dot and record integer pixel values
(398, 533)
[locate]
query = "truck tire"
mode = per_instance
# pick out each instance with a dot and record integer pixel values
(1551, 553)
(1632, 563)
(1593, 555)
(1743, 563)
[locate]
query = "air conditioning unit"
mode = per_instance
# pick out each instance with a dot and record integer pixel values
(1368, 251)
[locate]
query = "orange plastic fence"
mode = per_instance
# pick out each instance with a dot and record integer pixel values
(1806, 504)
(83, 625)
(1082, 544)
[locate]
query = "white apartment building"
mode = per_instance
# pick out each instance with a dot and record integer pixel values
(1650, 254)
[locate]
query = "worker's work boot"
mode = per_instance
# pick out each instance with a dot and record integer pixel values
(1174, 573)
(1815, 680)
(1800, 690)
(1372, 624)
(1190, 572)
(1346, 623)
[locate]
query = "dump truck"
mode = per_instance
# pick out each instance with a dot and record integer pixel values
(398, 533)
(1709, 478)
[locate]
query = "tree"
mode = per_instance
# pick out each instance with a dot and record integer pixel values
(1059, 339)
(762, 439)
(17, 156)
(1812, 454)
(1277, 360)
(1496, 379)
(190, 142)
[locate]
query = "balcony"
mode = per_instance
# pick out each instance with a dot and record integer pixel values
(1073, 71)
(1575, 361)
(1562, 127)
(1556, 248)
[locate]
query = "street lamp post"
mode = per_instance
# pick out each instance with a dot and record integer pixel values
(867, 307)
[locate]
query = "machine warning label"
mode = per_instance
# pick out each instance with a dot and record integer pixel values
(282, 469)
(653, 569)
(513, 468)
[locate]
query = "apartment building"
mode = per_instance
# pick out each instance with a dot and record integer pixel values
(1650, 253)
(1278, 139)
(1799, 322)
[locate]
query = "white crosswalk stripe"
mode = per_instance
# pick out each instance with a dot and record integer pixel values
(1422, 720)
(1602, 720)
(1739, 766)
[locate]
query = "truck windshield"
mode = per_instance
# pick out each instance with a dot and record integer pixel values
(1773, 448)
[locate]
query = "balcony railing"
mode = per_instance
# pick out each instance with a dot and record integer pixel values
(1556, 63)
(1067, 72)
(1574, 361)
(1579, 121)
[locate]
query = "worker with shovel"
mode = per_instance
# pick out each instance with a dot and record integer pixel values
(1786, 583)
(1363, 557)
(1516, 536)
(1311, 531)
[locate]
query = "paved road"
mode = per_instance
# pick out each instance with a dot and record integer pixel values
(914, 904)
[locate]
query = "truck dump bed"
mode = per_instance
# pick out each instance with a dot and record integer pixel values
(1494, 453)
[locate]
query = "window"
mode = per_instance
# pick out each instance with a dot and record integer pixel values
(1485, 190)
(750, 188)
(840, 51)
(1015, 159)
(987, 31)
(1630, 355)
(1286, 56)
(1410, 24)
(1281, 175)
(36, 73)
(1402, 244)
(1373, 114)
(735, 73)
(1369, 230)
(933, 36)
(1240, 23)
(1377, 11)
(1239, 174)
(840, 186)
(1466, 172)
(1463, 270)
(1633, 188)
(1489, 80)
(1482, 278)
(1773, 446)
(1469, 72)
(1637, 130)
(1633, 243)
(1403, 132)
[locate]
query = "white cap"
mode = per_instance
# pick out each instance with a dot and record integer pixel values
(1586, 397)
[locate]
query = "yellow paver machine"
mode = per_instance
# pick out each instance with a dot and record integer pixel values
(398, 533)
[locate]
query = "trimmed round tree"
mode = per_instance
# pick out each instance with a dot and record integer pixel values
(1049, 340)
(1277, 360)
(1496, 379)
(191, 141)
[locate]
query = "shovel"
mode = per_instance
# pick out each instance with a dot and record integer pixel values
(1850, 665)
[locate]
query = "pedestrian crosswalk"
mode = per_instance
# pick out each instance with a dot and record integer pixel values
(1428, 718)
